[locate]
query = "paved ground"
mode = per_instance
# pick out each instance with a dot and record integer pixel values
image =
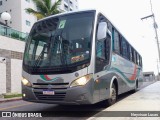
(141, 103)
(87, 111)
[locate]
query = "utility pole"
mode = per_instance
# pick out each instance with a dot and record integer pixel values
(158, 70)
(155, 28)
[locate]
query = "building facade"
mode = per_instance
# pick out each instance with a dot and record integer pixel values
(149, 76)
(22, 21)
(10, 64)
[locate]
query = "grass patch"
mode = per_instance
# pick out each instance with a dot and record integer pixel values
(12, 95)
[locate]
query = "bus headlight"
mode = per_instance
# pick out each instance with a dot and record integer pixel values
(81, 81)
(25, 82)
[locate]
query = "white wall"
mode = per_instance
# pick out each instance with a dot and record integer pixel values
(16, 64)
(16, 71)
(11, 44)
(2, 77)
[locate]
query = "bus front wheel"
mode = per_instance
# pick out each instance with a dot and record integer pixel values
(113, 95)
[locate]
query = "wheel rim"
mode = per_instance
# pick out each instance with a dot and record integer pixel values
(113, 95)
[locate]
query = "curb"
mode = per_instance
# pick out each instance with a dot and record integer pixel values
(10, 99)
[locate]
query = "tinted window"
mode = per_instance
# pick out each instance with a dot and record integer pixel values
(124, 48)
(59, 41)
(128, 54)
(102, 50)
(116, 42)
(135, 58)
(121, 45)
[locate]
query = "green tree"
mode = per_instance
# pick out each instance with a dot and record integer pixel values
(44, 8)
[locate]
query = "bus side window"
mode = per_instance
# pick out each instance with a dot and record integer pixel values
(135, 58)
(107, 47)
(138, 59)
(124, 48)
(103, 53)
(103, 48)
(130, 52)
(120, 45)
(116, 41)
(100, 50)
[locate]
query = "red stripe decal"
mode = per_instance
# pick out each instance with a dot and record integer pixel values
(133, 77)
(47, 78)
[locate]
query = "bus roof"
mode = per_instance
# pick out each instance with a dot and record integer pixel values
(65, 13)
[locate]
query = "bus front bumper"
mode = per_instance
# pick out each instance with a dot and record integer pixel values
(73, 96)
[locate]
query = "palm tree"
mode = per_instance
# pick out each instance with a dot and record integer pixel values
(44, 8)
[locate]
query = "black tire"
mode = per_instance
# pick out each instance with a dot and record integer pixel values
(110, 101)
(113, 98)
(136, 87)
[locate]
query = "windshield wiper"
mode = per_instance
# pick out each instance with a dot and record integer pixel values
(61, 48)
(41, 56)
(46, 49)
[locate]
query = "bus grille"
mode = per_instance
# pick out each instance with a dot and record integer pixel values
(56, 97)
(58, 88)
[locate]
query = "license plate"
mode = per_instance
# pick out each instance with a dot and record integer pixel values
(48, 92)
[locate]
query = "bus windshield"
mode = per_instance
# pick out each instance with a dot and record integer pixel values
(60, 41)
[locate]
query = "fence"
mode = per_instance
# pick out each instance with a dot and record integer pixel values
(9, 32)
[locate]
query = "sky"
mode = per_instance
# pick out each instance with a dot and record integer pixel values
(126, 16)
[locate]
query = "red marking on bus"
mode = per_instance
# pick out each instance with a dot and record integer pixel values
(47, 78)
(133, 77)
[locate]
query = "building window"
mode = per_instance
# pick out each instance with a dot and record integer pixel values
(27, 0)
(0, 2)
(66, 1)
(28, 23)
(65, 7)
(71, 3)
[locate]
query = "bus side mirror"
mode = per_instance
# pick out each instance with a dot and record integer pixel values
(102, 31)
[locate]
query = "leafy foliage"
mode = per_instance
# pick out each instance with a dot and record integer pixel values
(44, 8)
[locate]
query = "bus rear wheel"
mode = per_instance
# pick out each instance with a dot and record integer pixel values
(113, 97)
(136, 87)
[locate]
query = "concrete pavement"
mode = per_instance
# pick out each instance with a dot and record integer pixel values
(2, 100)
(140, 104)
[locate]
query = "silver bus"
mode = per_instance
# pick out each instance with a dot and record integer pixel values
(78, 58)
